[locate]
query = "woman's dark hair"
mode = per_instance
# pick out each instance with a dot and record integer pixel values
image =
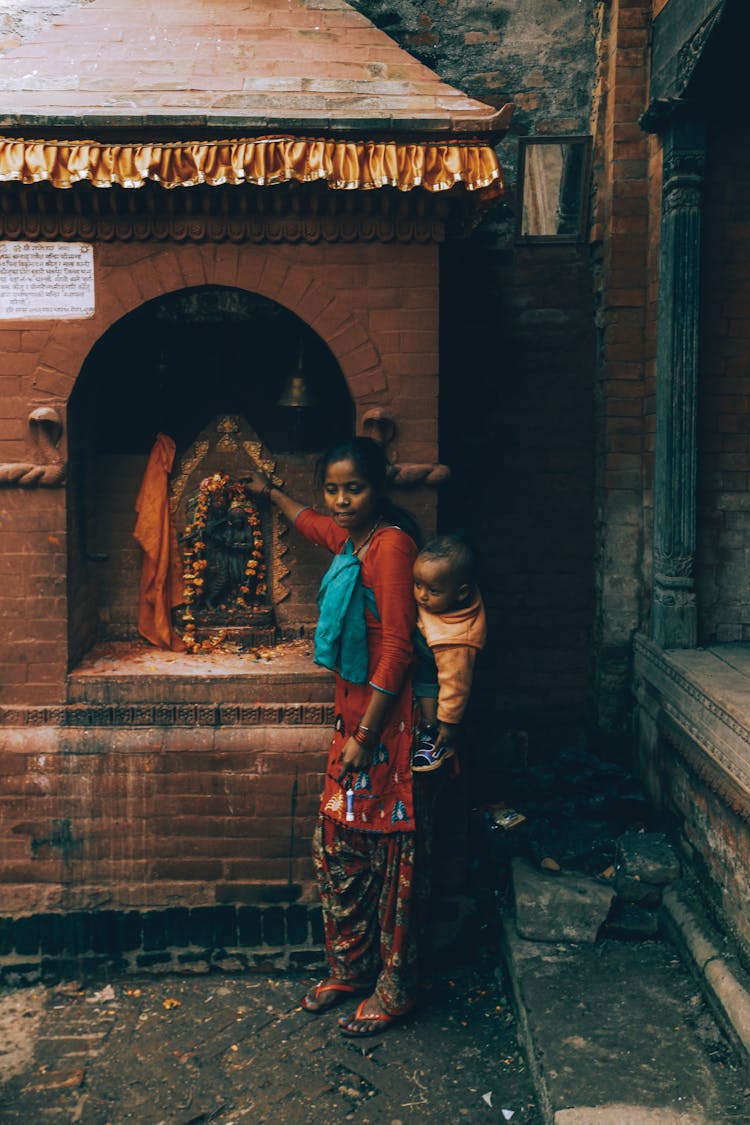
(370, 461)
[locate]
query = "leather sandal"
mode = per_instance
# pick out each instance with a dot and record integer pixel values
(313, 1000)
(379, 1022)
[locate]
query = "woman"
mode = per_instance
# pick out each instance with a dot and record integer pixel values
(364, 842)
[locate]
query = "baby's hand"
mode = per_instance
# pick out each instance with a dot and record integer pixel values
(446, 735)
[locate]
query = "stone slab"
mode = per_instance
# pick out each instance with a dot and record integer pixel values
(627, 1115)
(618, 1025)
(563, 907)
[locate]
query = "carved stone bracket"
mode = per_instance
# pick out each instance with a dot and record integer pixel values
(681, 35)
(691, 52)
(49, 469)
(381, 426)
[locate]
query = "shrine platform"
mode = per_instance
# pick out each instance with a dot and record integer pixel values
(133, 672)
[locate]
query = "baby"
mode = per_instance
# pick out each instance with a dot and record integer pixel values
(451, 629)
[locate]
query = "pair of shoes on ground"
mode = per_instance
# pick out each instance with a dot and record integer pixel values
(362, 1023)
(424, 756)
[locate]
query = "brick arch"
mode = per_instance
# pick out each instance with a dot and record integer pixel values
(125, 286)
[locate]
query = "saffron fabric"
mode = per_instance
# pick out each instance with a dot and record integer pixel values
(161, 576)
(454, 639)
(262, 161)
(366, 884)
(382, 794)
(341, 633)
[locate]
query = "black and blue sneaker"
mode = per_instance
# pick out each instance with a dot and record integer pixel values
(424, 756)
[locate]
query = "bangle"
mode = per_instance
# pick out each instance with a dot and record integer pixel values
(267, 489)
(360, 735)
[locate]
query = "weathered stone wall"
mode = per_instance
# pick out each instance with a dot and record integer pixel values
(622, 236)
(713, 838)
(539, 54)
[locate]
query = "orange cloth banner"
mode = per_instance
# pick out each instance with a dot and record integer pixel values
(161, 577)
(261, 161)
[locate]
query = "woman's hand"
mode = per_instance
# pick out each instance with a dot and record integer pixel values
(257, 484)
(354, 757)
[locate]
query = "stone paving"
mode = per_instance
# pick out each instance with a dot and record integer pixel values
(183, 1051)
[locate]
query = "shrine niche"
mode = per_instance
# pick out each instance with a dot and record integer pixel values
(232, 549)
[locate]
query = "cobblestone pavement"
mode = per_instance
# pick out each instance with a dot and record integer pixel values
(182, 1051)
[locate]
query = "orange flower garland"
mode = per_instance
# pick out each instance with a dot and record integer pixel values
(217, 492)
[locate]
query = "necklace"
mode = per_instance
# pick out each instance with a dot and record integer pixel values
(368, 537)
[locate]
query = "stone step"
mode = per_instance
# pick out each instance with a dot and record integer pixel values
(619, 1033)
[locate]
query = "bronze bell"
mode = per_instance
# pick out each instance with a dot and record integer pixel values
(295, 393)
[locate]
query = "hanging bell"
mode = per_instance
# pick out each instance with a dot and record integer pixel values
(296, 393)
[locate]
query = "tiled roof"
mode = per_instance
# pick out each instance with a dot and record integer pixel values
(234, 66)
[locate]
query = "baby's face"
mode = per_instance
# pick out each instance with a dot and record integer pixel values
(436, 587)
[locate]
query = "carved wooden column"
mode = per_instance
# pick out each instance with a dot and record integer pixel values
(674, 614)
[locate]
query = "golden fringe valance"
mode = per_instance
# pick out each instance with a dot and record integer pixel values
(261, 161)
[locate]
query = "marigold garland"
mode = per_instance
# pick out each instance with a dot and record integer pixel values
(218, 493)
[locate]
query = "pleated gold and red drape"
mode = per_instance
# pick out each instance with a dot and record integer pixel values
(260, 161)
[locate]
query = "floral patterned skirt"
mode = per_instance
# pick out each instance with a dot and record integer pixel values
(366, 882)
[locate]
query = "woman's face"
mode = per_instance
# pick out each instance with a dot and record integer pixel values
(349, 496)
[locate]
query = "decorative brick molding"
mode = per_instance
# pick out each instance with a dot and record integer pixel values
(306, 214)
(271, 934)
(714, 741)
(170, 715)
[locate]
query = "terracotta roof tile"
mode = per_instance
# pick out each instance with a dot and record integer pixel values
(257, 64)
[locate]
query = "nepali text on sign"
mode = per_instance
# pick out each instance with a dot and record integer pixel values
(46, 280)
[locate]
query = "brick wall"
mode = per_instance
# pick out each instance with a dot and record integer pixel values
(518, 429)
(99, 803)
(622, 233)
(723, 566)
(517, 364)
(375, 305)
(146, 818)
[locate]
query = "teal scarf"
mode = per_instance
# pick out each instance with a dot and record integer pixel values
(341, 633)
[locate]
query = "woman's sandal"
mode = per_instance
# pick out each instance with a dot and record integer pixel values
(379, 1021)
(313, 1000)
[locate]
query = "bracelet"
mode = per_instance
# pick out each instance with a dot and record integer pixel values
(360, 735)
(267, 489)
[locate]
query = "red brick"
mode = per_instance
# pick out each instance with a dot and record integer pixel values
(206, 870)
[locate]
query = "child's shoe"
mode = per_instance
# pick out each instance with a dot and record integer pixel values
(424, 756)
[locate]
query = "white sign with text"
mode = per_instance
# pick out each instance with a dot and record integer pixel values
(46, 280)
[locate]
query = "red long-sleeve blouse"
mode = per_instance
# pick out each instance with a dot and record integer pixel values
(383, 793)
